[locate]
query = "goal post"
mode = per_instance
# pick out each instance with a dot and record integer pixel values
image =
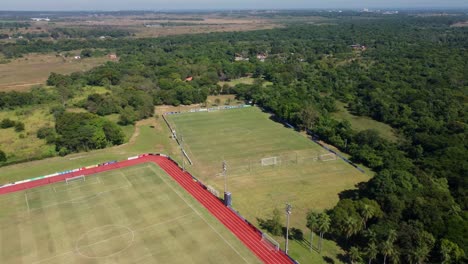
(270, 241)
(76, 178)
(270, 161)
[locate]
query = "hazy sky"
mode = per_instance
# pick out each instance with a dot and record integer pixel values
(53, 5)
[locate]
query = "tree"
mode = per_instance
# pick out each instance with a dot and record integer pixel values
(127, 116)
(354, 255)
(372, 251)
(323, 227)
(272, 225)
(312, 225)
(276, 227)
(388, 247)
(451, 252)
(352, 226)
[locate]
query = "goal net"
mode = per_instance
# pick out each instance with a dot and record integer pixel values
(73, 179)
(270, 242)
(269, 161)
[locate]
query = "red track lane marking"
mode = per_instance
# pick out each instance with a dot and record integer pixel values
(247, 234)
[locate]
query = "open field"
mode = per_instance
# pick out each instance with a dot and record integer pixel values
(132, 215)
(242, 137)
(360, 123)
(34, 69)
(244, 80)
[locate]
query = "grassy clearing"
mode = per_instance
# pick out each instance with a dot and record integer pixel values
(95, 221)
(244, 80)
(83, 93)
(25, 144)
(242, 137)
(360, 123)
(34, 69)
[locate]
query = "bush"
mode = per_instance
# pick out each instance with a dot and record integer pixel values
(7, 123)
(19, 126)
(63, 151)
(45, 132)
(3, 156)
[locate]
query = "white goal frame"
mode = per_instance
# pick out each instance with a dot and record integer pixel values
(270, 161)
(76, 178)
(268, 239)
(328, 157)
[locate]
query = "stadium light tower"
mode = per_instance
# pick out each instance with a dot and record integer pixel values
(225, 176)
(227, 195)
(182, 152)
(288, 213)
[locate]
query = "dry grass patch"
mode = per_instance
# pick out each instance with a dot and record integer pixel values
(33, 69)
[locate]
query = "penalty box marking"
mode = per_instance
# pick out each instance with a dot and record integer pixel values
(200, 215)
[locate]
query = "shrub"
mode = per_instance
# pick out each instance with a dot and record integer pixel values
(19, 126)
(7, 123)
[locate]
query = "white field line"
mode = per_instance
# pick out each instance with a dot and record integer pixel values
(49, 188)
(8, 197)
(76, 187)
(27, 203)
(200, 215)
(112, 237)
(126, 179)
(78, 249)
(80, 198)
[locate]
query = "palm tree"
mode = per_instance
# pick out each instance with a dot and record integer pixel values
(388, 248)
(372, 251)
(392, 235)
(323, 226)
(352, 226)
(367, 212)
(312, 225)
(354, 255)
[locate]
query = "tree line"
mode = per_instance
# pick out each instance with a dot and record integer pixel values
(412, 76)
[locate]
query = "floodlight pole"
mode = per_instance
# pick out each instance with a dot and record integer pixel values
(182, 152)
(288, 213)
(225, 176)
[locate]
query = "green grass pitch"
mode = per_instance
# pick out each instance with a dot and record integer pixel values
(242, 137)
(132, 215)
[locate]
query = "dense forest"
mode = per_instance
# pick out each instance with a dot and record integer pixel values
(409, 72)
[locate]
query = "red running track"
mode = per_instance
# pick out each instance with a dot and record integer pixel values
(248, 234)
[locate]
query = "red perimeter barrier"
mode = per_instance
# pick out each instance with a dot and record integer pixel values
(248, 234)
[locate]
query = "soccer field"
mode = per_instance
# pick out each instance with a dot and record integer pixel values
(133, 215)
(243, 137)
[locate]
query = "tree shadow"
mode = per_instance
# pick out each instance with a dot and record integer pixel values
(328, 259)
(343, 258)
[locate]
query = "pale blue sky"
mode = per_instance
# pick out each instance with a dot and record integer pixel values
(53, 5)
